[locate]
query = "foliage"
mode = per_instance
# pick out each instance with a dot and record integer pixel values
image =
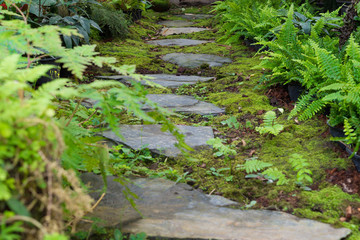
(253, 165)
(222, 150)
(41, 149)
(275, 174)
(270, 125)
(300, 165)
(242, 18)
(292, 47)
(112, 22)
(231, 122)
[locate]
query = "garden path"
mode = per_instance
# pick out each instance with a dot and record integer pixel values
(177, 211)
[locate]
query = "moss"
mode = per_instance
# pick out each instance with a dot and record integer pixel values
(328, 205)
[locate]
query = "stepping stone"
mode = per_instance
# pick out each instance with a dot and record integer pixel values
(184, 30)
(177, 211)
(184, 104)
(177, 42)
(195, 60)
(151, 136)
(165, 80)
(190, 16)
(176, 23)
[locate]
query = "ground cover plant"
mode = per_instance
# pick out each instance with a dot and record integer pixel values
(259, 158)
(297, 160)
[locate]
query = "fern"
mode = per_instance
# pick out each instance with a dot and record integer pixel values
(300, 165)
(276, 175)
(253, 165)
(270, 125)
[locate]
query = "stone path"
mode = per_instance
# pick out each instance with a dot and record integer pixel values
(151, 136)
(184, 104)
(195, 60)
(184, 30)
(176, 23)
(177, 42)
(165, 80)
(177, 211)
(195, 16)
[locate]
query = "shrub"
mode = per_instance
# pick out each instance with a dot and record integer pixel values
(112, 22)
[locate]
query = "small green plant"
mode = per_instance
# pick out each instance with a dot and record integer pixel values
(270, 125)
(222, 150)
(119, 236)
(231, 122)
(253, 165)
(300, 165)
(249, 125)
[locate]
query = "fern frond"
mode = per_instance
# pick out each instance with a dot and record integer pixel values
(253, 165)
(312, 109)
(275, 174)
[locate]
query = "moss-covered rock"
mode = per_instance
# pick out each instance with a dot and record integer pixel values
(160, 5)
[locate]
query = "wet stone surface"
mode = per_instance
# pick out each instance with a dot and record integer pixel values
(177, 42)
(195, 60)
(165, 80)
(176, 23)
(151, 136)
(184, 104)
(177, 211)
(183, 30)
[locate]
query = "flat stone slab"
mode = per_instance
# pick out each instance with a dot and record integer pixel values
(184, 104)
(183, 30)
(176, 23)
(165, 80)
(177, 211)
(195, 60)
(177, 42)
(151, 136)
(190, 16)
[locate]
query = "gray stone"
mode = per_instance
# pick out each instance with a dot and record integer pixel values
(177, 211)
(184, 30)
(195, 60)
(151, 136)
(176, 23)
(190, 16)
(177, 42)
(166, 80)
(184, 104)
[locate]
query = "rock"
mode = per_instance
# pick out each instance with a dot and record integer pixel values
(176, 23)
(177, 211)
(195, 60)
(190, 16)
(183, 30)
(166, 80)
(151, 136)
(184, 104)
(177, 42)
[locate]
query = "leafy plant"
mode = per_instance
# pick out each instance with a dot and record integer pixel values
(231, 122)
(222, 150)
(270, 125)
(253, 165)
(112, 22)
(275, 174)
(300, 165)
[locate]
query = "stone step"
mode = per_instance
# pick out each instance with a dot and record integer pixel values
(192, 60)
(183, 30)
(151, 136)
(177, 211)
(177, 42)
(184, 104)
(177, 103)
(165, 80)
(176, 23)
(190, 16)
